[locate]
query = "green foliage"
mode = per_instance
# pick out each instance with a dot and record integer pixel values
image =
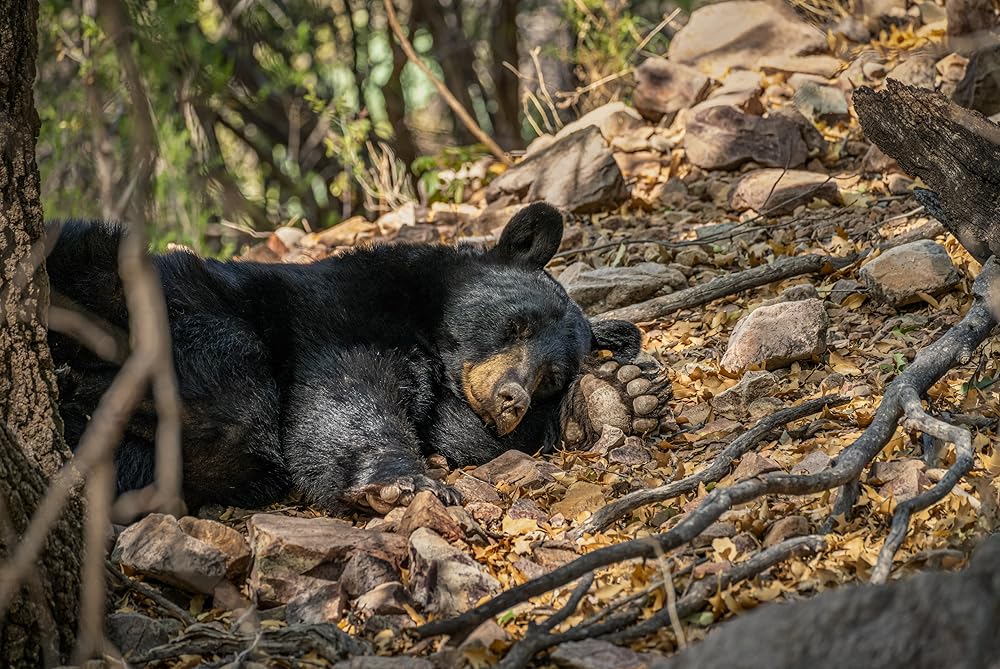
(428, 170)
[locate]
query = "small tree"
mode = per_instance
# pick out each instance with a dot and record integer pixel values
(38, 625)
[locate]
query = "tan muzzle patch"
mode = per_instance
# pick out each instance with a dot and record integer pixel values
(497, 388)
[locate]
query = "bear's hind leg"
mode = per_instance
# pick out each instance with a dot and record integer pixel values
(349, 430)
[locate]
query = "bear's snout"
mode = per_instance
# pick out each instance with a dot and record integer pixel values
(512, 402)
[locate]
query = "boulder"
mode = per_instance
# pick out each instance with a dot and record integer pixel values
(443, 579)
(777, 335)
(663, 88)
(722, 137)
(577, 172)
(899, 274)
(777, 191)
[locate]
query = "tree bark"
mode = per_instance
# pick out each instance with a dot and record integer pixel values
(40, 625)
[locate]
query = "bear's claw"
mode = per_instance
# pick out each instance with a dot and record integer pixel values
(383, 497)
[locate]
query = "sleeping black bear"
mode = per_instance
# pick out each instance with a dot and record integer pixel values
(339, 377)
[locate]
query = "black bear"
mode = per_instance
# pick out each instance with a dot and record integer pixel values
(339, 377)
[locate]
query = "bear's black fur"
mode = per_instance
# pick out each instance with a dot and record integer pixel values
(338, 377)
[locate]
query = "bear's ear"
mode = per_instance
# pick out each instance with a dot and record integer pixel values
(531, 237)
(622, 338)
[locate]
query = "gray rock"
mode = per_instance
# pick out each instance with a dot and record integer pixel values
(778, 191)
(778, 335)
(134, 633)
(443, 579)
(722, 137)
(900, 273)
(577, 172)
(730, 35)
(734, 402)
(319, 605)
(157, 547)
(663, 88)
(917, 70)
(821, 103)
(600, 290)
(597, 654)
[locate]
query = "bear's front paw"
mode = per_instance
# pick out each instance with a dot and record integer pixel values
(382, 497)
(633, 397)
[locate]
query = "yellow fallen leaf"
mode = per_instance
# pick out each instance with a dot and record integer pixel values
(842, 365)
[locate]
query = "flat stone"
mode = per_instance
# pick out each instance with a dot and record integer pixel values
(227, 540)
(134, 633)
(754, 464)
(917, 70)
(484, 512)
(821, 103)
(733, 402)
(664, 87)
(717, 530)
(597, 654)
(722, 137)
(580, 497)
(475, 490)
(813, 463)
(515, 467)
(443, 579)
(526, 508)
(286, 547)
(786, 528)
(843, 289)
(900, 273)
(385, 599)
(730, 35)
(364, 572)
(900, 479)
(600, 290)
(426, 510)
(777, 335)
(321, 605)
(632, 454)
(577, 172)
(157, 547)
(820, 65)
(614, 119)
(775, 191)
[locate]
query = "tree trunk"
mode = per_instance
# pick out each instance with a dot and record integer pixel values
(40, 625)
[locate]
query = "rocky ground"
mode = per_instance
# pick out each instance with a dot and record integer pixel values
(714, 169)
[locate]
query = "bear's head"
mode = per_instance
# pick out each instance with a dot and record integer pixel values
(517, 339)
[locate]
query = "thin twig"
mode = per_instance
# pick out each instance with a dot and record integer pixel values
(455, 105)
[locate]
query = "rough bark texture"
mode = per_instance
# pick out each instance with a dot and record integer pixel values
(39, 628)
(955, 151)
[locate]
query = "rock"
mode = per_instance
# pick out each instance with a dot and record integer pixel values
(776, 191)
(796, 293)
(134, 633)
(614, 119)
(716, 530)
(754, 464)
(820, 65)
(917, 70)
(900, 479)
(157, 547)
(899, 184)
(815, 143)
(611, 437)
(600, 290)
(288, 549)
(663, 88)
(632, 454)
(228, 541)
(443, 579)
(597, 654)
(518, 469)
(484, 512)
(900, 273)
(821, 103)
(426, 510)
(376, 662)
(721, 137)
(843, 289)
(321, 605)
(580, 497)
(812, 463)
(348, 233)
(386, 599)
(365, 572)
(730, 35)
(786, 528)
(778, 335)
(577, 172)
(526, 508)
(734, 402)
(475, 490)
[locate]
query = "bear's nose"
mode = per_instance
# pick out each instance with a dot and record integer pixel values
(512, 402)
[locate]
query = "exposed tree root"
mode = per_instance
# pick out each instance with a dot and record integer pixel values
(954, 347)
